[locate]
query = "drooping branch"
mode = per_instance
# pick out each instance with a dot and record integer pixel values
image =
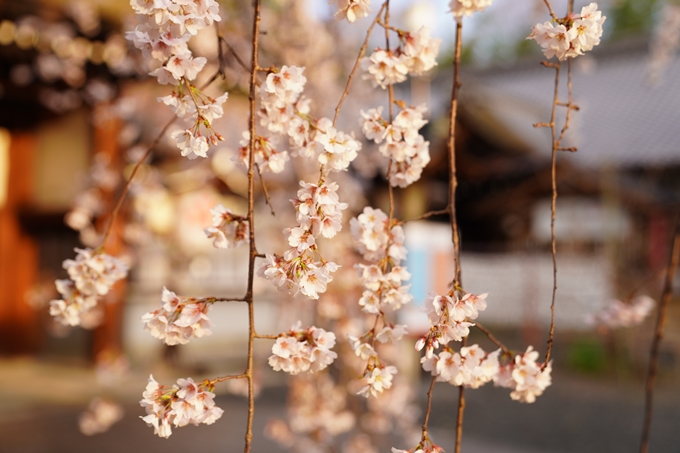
(126, 188)
(362, 51)
(251, 224)
(553, 210)
(658, 335)
(453, 185)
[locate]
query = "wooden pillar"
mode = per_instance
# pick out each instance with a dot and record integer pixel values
(19, 260)
(108, 336)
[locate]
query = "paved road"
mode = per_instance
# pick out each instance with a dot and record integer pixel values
(575, 415)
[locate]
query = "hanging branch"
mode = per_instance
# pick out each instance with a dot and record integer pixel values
(658, 334)
(254, 66)
(553, 208)
(362, 51)
(126, 188)
(453, 185)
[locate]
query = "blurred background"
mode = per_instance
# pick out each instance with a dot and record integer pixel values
(77, 111)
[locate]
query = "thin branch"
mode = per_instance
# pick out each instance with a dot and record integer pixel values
(428, 409)
(220, 59)
(427, 215)
(552, 13)
(227, 299)
(266, 337)
(658, 334)
(453, 180)
(553, 212)
(453, 184)
(461, 412)
(569, 109)
(126, 188)
(236, 55)
(493, 339)
(228, 378)
(264, 189)
(356, 64)
(251, 225)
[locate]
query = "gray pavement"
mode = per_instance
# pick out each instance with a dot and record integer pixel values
(40, 403)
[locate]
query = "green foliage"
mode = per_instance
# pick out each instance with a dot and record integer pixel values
(587, 356)
(632, 17)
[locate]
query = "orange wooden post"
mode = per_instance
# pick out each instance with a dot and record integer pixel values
(19, 327)
(108, 336)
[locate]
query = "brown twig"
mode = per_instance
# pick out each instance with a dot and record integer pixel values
(553, 212)
(552, 13)
(227, 378)
(251, 224)
(453, 185)
(427, 215)
(569, 110)
(493, 339)
(265, 191)
(453, 180)
(356, 64)
(126, 188)
(266, 337)
(658, 334)
(428, 409)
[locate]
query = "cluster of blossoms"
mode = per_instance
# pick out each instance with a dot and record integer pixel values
(382, 243)
(284, 111)
(298, 351)
(400, 142)
(183, 403)
(179, 318)
(352, 9)
(471, 368)
(318, 212)
(228, 229)
(416, 54)
(526, 377)
(162, 36)
(92, 275)
(570, 36)
(449, 317)
(316, 412)
(619, 314)
(461, 8)
(99, 417)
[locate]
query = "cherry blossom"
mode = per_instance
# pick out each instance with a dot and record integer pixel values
(302, 269)
(92, 274)
(164, 30)
(179, 318)
(101, 414)
(461, 8)
(619, 314)
(570, 36)
(378, 378)
(527, 378)
(298, 351)
(449, 317)
(184, 403)
(352, 9)
(227, 228)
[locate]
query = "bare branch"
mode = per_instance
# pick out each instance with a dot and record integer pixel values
(658, 335)
(126, 188)
(493, 339)
(264, 189)
(356, 64)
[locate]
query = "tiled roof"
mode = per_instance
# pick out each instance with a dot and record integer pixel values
(624, 121)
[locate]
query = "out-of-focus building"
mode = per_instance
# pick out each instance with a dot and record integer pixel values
(618, 194)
